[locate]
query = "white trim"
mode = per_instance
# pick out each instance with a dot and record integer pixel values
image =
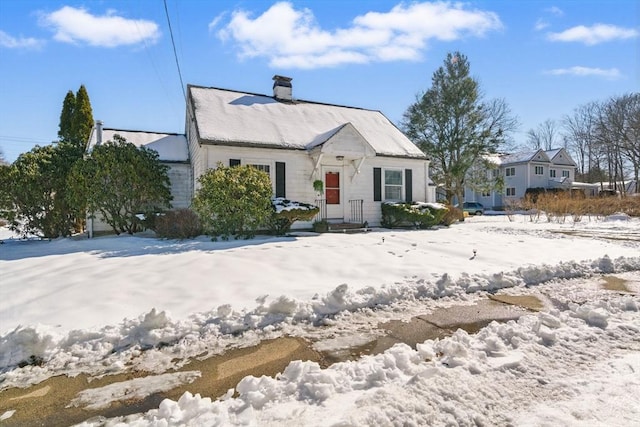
(384, 184)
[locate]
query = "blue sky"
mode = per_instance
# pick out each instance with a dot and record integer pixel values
(544, 58)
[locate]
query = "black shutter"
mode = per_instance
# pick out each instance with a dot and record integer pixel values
(377, 184)
(408, 186)
(234, 162)
(281, 186)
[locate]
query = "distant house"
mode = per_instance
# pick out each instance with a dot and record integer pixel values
(534, 169)
(359, 155)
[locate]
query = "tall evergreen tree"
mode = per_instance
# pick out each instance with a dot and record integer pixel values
(453, 126)
(65, 132)
(82, 118)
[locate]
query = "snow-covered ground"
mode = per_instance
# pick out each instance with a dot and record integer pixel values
(92, 305)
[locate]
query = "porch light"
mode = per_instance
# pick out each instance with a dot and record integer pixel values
(339, 158)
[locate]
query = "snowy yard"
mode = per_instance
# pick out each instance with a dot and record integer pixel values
(91, 305)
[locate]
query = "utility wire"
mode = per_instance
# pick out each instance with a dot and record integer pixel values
(175, 54)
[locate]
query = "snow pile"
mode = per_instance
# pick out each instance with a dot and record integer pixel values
(117, 344)
(442, 382)
(281, 204)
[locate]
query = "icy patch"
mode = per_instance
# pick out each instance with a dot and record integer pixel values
(139, 388)
(6, 415)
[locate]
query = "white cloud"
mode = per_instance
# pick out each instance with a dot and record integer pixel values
(214, 23)
(19, 43)
(598, 33)
(540, 24)
(554, 10)
(292, 38)
(611, 73)
(73, 25)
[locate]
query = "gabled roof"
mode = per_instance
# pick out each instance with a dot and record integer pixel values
(524, 157)
(237, 118)
(560, 156)
(171, 147)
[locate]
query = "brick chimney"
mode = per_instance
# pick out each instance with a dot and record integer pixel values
(282, 88)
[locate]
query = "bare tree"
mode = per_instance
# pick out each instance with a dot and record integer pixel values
(579, 130)
(545, 136)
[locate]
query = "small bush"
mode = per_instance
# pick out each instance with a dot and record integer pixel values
(452, 215)
(178, 224)
(418, 215)
(286, 212)
(321, 226)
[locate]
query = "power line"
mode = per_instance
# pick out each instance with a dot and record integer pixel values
(20, 139)
(175, 53)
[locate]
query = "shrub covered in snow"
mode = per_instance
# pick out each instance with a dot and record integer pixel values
(416, 214)
(286, 212)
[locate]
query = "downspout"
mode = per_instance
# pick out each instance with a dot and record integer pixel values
(426, 182)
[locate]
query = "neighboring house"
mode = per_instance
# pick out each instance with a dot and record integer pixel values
(172, 150)
(535, 169)
(361, 157)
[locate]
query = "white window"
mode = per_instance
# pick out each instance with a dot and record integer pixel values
(261, 165)
(486, 194)
(263, 168)
(565, 173)
(539, 170)
(392, 184)
(552, 173)
(510, 171)
(511, 191)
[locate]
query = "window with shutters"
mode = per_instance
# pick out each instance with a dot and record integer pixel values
(539, 170)
(393, 184)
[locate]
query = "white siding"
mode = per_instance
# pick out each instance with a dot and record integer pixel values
(181, 189)
(300, 176)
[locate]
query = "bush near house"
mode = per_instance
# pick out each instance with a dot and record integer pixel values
(452, 215)
(121, 182)
(177, 224)
(415, 215)
(286, 212)
(34, 192)
(532, 193)
(233, 201)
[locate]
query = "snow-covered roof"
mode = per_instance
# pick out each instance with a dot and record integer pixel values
(231, 117)
(537, 155)
(170, 147)
(524, 157)
(560, 156)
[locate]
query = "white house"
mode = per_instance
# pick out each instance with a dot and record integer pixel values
(535, 169)
(360, 156)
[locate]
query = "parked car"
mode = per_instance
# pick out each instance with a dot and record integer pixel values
(473, 208)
